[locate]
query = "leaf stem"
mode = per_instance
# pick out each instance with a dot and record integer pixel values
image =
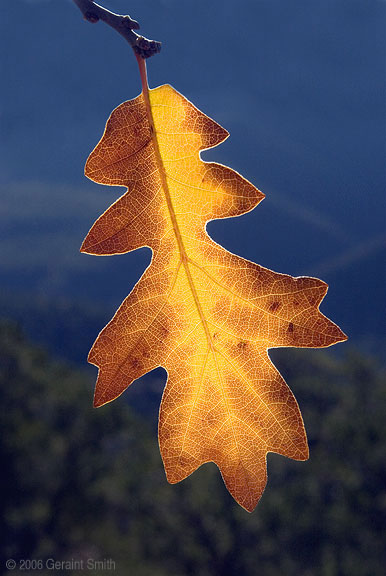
(124, 25)
(143, 73)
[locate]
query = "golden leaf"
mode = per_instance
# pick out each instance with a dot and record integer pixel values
(206, 315)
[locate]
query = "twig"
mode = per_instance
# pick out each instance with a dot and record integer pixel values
(123, 24)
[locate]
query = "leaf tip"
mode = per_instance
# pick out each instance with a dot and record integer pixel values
(305, 454)
(249, 502)
(89, 244)
(341, 336)
(97, 404)
(100, 398)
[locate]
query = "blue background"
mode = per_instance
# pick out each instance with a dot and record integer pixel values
(299, 85)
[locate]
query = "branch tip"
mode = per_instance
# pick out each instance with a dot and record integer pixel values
(91, 17)
(124, 25)
(130, 23)
(146, 48)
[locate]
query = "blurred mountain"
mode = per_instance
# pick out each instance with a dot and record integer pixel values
(79, 483)
(300, 85)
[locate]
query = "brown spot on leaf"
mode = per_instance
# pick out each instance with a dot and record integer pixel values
(164, 331)
(275, 306)
(211, 419)
(136, 364)
(290, 327)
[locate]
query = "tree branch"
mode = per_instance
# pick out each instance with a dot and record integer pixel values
(124, 25)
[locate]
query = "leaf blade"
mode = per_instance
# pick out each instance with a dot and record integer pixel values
(206, 315)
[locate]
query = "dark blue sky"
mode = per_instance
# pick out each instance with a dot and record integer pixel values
(300, 86)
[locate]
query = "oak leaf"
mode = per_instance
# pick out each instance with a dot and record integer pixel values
(206, 315)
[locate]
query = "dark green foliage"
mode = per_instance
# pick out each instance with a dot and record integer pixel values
(79, 482)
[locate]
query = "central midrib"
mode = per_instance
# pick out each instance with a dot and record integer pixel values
(181, 247)
(176, 228)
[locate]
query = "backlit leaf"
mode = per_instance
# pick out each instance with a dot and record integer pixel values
(206, 315)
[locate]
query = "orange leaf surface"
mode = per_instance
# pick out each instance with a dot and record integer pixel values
(206, 315)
